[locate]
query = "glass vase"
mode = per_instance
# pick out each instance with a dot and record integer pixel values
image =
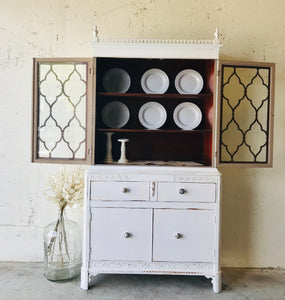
(62, 249)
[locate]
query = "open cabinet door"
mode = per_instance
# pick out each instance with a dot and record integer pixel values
(245, 114)
(63, 111)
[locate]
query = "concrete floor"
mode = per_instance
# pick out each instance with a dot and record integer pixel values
(22, 281)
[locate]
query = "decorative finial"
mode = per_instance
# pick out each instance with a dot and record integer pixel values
(95, 34)
(216, 39)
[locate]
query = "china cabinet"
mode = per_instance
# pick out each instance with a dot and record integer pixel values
(152, 198)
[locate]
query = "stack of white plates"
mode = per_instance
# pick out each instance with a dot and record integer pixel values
(116, 80)
(115, 114)
(155, 81)
(188, 81)
(187, 116)
(152, 115)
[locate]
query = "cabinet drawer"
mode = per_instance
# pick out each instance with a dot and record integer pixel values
(186, 192)
(121, 234)
(119, 190)
(183, 235)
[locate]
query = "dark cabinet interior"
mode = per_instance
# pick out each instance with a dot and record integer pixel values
(169, 143)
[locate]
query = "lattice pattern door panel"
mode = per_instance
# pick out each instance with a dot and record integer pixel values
(246, 112)
(62, 102)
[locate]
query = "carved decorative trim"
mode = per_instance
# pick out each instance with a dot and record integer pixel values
(104, 177)
(97, 39)
(199, 179)
(178, 178)
(153, 186)
(206, 269)
(155, 48)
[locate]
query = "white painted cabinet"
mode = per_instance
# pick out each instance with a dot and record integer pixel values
(154, 230)
(160, 213)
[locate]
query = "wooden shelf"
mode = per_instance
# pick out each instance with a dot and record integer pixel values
(158, 163)
(156, 96)
(207, 131)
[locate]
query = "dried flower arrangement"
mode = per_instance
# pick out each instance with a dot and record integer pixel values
(66, 189)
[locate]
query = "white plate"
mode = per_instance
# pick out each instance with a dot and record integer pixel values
(155, 81)
(116, 80)
(187, 115)
(188, 81)
(152, 115)
(115, 114)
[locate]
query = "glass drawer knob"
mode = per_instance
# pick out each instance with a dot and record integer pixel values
(181, 191)
(127, 235)
(178, 236)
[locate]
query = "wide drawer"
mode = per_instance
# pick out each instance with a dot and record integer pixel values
(121, 234)
(119, 190)
(183, 235)
(186, 192)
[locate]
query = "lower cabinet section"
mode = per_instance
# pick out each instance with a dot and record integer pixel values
(151, 220)
(152, 234)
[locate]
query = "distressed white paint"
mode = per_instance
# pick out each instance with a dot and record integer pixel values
(186, 192)
(197, 231)
(121, 234)
(121, 190)
(253, 200)
(150, 239)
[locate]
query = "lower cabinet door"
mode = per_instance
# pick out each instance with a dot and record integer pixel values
(121, 234)
(183, 235)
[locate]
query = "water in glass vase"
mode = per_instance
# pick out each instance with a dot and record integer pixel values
(62, 249)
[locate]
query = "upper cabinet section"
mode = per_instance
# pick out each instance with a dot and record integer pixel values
(160, 96)
(153, 102)
(62, 110)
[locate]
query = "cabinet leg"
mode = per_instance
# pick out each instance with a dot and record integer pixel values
(84, 279)
(217, 282)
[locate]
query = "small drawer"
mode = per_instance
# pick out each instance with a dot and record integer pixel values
(183, 235)
(186, 192)
(121, 234)
(119, 190)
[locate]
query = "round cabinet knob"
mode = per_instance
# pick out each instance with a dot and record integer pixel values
(178, 236)
(127, 235)
(182, 191)
(125, 190)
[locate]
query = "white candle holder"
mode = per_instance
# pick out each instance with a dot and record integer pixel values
(109, 157)
(123, 159)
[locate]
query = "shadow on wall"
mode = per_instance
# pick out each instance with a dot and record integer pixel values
(236, 213)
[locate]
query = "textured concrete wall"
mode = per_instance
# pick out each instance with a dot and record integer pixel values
(253, 199)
